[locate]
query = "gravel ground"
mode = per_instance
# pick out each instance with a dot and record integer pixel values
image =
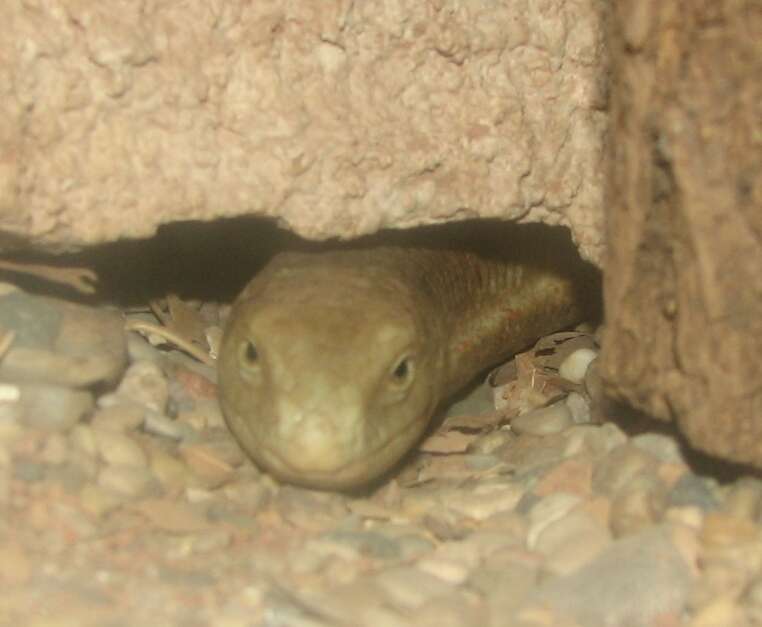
(126, 502)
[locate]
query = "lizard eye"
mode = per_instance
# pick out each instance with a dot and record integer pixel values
(402, 374)
(248, 354)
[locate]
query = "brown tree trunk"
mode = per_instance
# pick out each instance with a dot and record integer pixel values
(683, 284)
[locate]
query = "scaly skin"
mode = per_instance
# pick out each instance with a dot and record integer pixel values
(333, 363)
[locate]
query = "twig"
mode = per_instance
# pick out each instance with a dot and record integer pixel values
(190, 348)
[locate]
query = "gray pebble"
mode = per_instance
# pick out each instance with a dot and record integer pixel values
(29, 471)
(60, 343)
(691, 490)
(368, 543)
(663, 447)
(631, 582)
(53, 407)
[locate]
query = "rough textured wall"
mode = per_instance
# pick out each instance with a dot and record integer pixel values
(683, 288)
(339, 117)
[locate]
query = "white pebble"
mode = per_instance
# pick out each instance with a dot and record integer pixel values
(573, 368)
(578, 407)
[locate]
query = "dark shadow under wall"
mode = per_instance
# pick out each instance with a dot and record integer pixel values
(212, 261)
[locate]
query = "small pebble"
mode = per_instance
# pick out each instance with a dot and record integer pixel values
(119, 417)
(593, 439)
(119, 449)
(208, 464)
(408, 587)
(171, 472)
(60, 343)
(547, 510)
(98, 501)
(744, 499)
(637, 505)
(571, 542)
(544, 421)
(130, 481)
(620, 466)
(173, 516)
(159, 424)
(489, 443)
(52, 407)
(594, 383)
(694, 491)
(82, 438)
(144, 383)
(663, 447)
(579, 407)
(55, 450)
(631, 582)
(574, 367)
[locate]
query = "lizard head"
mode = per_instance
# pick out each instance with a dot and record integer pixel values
(328, 376)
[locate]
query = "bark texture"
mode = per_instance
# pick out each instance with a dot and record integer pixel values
(683, 287)
(336, 117)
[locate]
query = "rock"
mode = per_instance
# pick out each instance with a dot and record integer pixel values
(159, 424)
(172, 516)
(663, 447)
(489, 443)
(99, 501)
(366, 543)
(632, 582)
(573, 476)
(209, 465)
(55, 451)
(408, 587)
(579, 408)
(129, 481)
(119, 449)
(693, 491)
(82, 438)
(16, 566)
(620, 466)
(505, 581)
(144, 383)
(544, 421)
(571, 542)
(53, 407)
(60, 343)
(547, 510)
(205, 415)
(744, 499)
(172, 473)
(592, 440)
(637, 505)
(119, 417)
(575, 365)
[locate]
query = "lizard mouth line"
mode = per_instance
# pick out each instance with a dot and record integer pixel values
(361, 460)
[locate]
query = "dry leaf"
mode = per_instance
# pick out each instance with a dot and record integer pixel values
(81, 279)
